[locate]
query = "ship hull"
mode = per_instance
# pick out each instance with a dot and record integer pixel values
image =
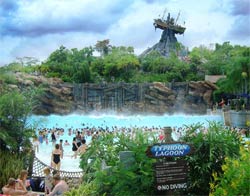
(158, 23)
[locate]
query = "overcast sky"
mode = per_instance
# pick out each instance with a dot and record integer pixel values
(35, 28)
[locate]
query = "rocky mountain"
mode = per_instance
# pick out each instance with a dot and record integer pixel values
(168, 41)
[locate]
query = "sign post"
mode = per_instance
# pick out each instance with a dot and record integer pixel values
(170, 174)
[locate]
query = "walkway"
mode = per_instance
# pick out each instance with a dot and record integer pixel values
(38, 167)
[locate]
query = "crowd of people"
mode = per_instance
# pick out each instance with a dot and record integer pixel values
(54, 185)
(72, 143)
(80, 137)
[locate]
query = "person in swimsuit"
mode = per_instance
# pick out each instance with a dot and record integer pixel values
(61, 147)
(82, 149)
(74, 147)
(56, 157)
(53, 137)
(10, 188)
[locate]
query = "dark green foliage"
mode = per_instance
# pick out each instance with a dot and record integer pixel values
(145, 77)
(173, 68)
(70, 65)
(119, 179)
(120, 64)
(230, 61)
(235, 82)
(14, 110)
(11, 165)
(211, 148)
(15, 134)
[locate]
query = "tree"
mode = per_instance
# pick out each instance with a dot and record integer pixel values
(27, 61)
(70, 65)
(235, 82)
(199, 56)
(97, 66)
(15, 107)
(120, 64)
(80, 63)
(103, 47)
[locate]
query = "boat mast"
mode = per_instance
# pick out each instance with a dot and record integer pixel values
(177, 18)
(163, 15)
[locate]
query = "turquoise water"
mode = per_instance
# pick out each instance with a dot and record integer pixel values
(79, 121)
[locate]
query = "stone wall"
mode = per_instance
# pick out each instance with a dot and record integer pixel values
(159, 98)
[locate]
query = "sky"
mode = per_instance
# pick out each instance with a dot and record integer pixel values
(36, 28)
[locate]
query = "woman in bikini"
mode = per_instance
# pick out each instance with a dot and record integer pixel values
(56, 157)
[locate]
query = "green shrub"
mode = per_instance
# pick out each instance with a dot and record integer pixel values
(86, 189)
(8, 78)
(118, 179)
(211, 148)
(146, 77)
(11, 164)
(235, 178)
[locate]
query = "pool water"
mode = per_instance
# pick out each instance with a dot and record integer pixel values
(76, 121)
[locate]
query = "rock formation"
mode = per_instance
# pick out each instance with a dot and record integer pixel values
(165, 46)
(168, 41)
(159, 98)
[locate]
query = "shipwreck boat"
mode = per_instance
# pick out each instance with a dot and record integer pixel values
(170, 23)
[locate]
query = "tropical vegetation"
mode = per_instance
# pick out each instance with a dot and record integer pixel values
(235, 177)
(211, 146)
(215, 149)
(15, 133)
(120, 64)
(106, 173)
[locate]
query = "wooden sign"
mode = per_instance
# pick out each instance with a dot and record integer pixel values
(171, 175)
(169, 150)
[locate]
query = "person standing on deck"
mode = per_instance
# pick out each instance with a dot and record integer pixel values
(56, 158)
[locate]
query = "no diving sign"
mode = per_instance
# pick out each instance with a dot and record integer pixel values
(170, 174)
(174, 186)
